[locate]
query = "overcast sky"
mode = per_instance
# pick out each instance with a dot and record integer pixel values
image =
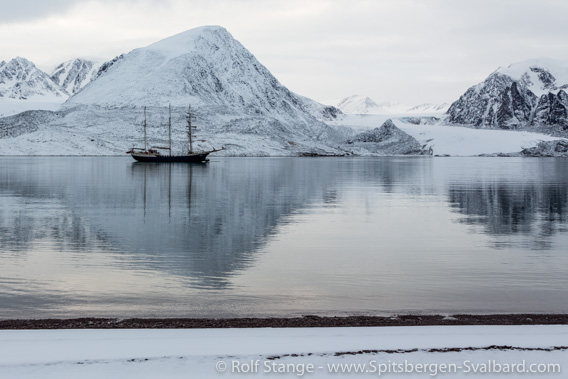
(408, 51)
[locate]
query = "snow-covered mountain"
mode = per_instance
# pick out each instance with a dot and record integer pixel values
(529, 94)
(206, 67)
(21, 79)
(429, 108)
(23, 86)
(357, 104)
(74, 74)
(238, 102)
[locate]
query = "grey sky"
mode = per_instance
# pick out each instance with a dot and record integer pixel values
(401, 50)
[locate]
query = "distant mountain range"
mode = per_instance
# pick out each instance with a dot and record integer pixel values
(84, 107)
(357, 104)
(20, 79)
(525, 95)
(23, 86)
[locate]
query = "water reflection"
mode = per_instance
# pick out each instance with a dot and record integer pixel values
(535, 206)
(107, 230)
(199, 222)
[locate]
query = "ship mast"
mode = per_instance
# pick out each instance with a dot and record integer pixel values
(170, 129)
(145, 137)
(189, 128)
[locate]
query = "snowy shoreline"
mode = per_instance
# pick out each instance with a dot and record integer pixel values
(417, 351)
(309, 321)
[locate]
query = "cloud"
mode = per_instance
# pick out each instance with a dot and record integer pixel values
(24, 10)
(13, 11)
(404, 50)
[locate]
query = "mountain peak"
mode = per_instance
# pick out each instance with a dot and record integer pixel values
(185, 42)
(205, 67)
(357, 104)
(540, 75)
(21, 79)
(20, 61)
(524, 94)
(74, 74)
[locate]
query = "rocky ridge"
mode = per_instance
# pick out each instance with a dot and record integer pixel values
(73, 75)
(386, 139)
(527, 95)
(20, 79)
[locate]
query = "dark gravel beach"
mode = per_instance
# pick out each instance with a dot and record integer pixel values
(294, 322)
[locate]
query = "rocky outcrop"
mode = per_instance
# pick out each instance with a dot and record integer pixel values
(25, 122)
(552, 110)
(548, 149)
(386, 140)
(515, 107)
(478, 105)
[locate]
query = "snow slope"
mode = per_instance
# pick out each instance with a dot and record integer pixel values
(429, 108)
(10, 107)
(211, 353)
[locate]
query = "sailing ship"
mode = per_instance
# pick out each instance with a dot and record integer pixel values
(153, 154)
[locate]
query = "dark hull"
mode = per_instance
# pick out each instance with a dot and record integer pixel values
(193, 158)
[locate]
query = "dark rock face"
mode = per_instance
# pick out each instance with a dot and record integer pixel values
(479, 104)
(548, 149)
(547, 79)
(388, 140)
(105, 66)
(515, 107)
(498, 102)
(552, 110)
(330, 112)
(25, 122)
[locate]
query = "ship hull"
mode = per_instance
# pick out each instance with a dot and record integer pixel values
(190, 158)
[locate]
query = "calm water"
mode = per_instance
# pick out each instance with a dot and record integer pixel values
(282, 236)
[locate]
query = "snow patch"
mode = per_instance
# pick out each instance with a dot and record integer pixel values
(177, 353)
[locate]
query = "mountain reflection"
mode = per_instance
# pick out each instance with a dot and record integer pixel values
(201, 223)
(207, 223)
(503, 208)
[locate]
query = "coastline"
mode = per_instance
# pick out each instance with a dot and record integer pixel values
(307, 321)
